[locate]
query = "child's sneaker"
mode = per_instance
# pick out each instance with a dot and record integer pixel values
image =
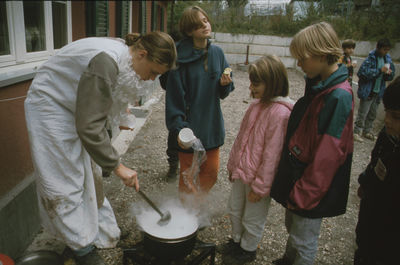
(369, 136)
(358, 138)
(240, 256)
(281, 261)
(229, 247)
(91, 258)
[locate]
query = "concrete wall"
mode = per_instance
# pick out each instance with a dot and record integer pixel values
(235, 47)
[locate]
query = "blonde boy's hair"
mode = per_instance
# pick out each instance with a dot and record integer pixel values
(190, 20)
(270, 71)
(316, 40)
(160, 47)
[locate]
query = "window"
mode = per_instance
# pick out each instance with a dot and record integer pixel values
(59, 12)
(32, 30)
(35, 33)
(153, 16)
(161, 18)
(4, 39)
(122, 18)
(97, 18)
(142, 15)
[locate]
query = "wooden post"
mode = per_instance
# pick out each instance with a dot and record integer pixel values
(247, 55)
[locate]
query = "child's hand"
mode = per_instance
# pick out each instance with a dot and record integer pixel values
(128, 176)
(225, 80)
(385, 70)
(252, 197)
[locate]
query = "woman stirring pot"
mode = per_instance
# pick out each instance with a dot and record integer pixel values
(70, 100)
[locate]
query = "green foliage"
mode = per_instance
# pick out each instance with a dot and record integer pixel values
(228, 16)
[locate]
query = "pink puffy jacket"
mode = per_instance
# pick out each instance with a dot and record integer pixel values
(255, 155)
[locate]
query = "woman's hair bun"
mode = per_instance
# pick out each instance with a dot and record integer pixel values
(131, 38)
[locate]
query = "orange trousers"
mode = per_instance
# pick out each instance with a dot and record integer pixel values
(208, 171)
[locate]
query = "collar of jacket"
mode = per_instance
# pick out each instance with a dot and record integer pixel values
(186, 51)
(386, 58)
(313, 86)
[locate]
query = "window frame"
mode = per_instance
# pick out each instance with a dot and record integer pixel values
(16, 25)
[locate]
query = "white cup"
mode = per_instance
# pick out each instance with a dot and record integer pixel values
(387, 65)
(354, 61)
(128, 121)
(186, 137)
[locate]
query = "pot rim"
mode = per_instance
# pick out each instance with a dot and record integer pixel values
(38, 255)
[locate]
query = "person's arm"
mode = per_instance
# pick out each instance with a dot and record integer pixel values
(175, 103)
(329, 154)
(368, 69)
(226, 84)
(274, 137)
(93, 104)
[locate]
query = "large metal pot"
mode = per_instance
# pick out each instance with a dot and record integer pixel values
(167, 248)
(41, 257)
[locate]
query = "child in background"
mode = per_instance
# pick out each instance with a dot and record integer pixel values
(312, 181)
(193, 94)
(348, 47)
(372, 76)
(254, 158)
(378, 219)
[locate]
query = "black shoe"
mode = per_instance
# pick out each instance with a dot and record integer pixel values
(172, 172)
(229, 247)
(281, 261)
(239, 257)
(92, 258)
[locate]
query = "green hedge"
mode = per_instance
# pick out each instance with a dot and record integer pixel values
(367, 25)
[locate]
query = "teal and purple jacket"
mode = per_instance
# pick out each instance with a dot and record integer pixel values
(314, 172)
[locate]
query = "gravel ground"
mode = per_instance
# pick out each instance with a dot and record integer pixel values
(147, 156)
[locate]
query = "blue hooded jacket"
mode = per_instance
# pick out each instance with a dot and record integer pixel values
(193, 93)
(369, 72)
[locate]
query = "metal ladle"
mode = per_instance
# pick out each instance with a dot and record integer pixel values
(165, 217)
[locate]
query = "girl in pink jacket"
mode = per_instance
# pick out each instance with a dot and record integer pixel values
(255, 156)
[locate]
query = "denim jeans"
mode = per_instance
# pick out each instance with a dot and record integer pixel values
(366, 114)
(302, 244)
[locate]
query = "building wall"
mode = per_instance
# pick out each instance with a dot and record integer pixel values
(19, 219)
(111, 18)
(15, 154)
(19, 216)
(148, 16)
(135, 16)
(78, 20)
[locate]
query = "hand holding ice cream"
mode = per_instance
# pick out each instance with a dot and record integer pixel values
(226, 77)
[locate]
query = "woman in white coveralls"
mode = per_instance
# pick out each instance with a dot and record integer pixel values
(87, 84)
